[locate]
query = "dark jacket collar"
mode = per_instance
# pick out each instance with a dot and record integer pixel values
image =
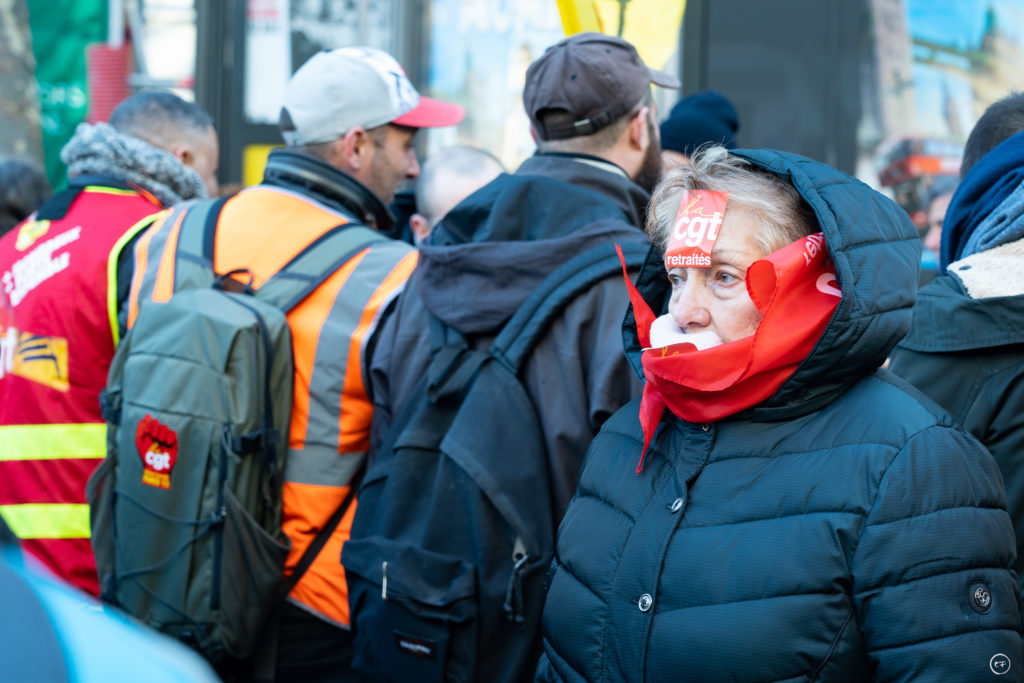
(947, 319)
(294, 170)
(595, 173)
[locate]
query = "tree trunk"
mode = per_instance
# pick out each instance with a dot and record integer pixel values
(19, 106)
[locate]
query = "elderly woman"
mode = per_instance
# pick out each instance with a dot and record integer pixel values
(776, 507)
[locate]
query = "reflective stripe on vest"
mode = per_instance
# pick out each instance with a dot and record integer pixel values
(112, 262)
(47, 520)
(52, 442)
(336, 374)
(150, 247)
(321, 466)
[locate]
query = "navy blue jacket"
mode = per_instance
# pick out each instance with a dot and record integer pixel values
(843, 529)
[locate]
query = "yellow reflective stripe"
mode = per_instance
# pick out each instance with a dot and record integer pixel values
(47, 520)
(100, 189)
(112, 260)
(52, 442)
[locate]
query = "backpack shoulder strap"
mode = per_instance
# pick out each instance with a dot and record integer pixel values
(193, 265)
(568, 281)
(193, 256)
(315, 263)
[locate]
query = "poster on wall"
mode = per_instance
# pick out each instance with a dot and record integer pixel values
(282, 34)
(267, 64)
(60, 33)
(326, 24)
(482, 65)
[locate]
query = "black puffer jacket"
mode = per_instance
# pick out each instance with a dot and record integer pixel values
(844, 529)
(967, 353)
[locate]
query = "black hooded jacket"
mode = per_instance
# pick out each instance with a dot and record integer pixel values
(484, 259)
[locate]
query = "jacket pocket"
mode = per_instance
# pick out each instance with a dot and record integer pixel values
(252, 565)
(414, 611)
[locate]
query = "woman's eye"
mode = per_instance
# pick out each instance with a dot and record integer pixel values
(674, 279)
(725, 278)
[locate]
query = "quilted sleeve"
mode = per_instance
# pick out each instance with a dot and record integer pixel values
(935, 594)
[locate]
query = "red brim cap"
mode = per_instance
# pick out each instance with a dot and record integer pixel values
(430, 113)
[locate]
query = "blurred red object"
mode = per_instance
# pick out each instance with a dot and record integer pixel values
(106, 79)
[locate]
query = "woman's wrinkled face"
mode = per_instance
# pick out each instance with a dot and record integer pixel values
(714, 299)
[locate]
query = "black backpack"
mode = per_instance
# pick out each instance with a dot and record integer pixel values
(454, 532)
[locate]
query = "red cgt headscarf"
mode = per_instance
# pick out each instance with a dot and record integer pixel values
(796, 292)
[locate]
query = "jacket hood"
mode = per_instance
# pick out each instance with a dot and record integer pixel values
(495, 247)
(877, 254)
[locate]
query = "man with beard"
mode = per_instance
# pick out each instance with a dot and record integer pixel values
(591, 112)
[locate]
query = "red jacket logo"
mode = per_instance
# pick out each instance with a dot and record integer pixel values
(158, 448)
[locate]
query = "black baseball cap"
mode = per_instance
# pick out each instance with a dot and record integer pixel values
(594, 77)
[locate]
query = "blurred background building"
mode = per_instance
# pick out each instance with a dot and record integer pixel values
(884, 89)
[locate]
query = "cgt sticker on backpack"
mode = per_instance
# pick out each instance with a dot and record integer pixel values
(158, 448)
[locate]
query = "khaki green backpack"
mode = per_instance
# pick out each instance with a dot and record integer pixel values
(186, 507)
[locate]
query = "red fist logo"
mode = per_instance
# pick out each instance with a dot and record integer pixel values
(158, 448)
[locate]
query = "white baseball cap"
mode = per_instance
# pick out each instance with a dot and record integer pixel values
(337, 90)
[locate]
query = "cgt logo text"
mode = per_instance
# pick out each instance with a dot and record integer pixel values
(159, 461)
(692, 230)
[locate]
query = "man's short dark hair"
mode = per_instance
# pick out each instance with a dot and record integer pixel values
(1001, 120)
(159, 117)
(594, 143)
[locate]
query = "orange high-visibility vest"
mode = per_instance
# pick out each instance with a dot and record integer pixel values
(58, 271)
(261, 229)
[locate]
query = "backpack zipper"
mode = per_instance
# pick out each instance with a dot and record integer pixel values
(219, 515)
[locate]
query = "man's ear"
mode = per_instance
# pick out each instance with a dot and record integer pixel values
(183, 154)
(420, 226)
(354, 148)
(638, 131)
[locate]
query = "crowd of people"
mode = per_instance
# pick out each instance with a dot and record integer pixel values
(767, 454)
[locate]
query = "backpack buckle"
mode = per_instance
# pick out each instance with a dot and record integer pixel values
(513, 606)
(108, 410)
(227, 283)
(254, 442)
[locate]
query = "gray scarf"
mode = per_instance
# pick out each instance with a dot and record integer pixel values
(100, 149)
(1002, 226)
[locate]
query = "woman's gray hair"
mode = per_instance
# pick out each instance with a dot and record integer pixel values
(781, 214)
